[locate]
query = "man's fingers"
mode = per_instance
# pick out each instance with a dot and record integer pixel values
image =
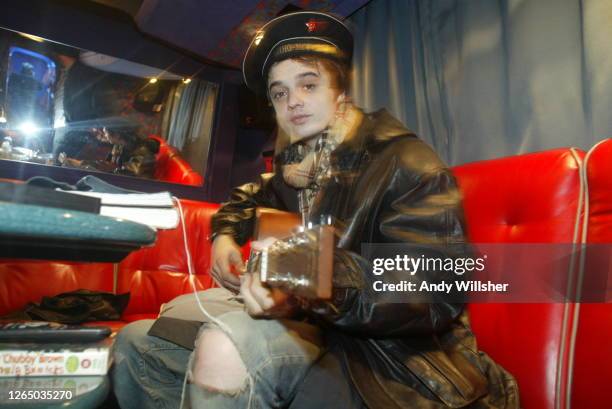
(215, 271)
(232, 278)
(261, 294)
(236, 259)
(223, 272)
(223, 265)
(252, 306)
(262, 244)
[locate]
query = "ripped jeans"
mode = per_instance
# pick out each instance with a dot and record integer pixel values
(149, 371)
(276, 353)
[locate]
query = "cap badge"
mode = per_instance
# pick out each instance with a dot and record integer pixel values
(313, 25)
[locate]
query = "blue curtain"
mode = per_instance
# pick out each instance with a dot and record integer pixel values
(188, 120)
(479, 79)
(190, 112)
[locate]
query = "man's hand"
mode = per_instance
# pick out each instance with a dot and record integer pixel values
(262, 301)
(266, 302)
(225, 256)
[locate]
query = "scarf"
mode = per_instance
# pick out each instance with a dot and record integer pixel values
(310, 168)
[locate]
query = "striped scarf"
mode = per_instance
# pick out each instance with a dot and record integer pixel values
(309, 169)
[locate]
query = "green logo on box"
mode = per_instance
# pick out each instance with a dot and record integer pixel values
(72, 364)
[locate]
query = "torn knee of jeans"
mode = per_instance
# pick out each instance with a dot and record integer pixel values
(226, 392)
(217, 365)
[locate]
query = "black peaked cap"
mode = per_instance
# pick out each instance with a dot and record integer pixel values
(292, 35)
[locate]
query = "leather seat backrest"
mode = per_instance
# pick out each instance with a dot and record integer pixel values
(157, 274)
(171, 167)
(179, 171)
(531, 198)
(24, 281)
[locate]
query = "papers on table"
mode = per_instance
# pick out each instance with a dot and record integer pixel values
(153, 209)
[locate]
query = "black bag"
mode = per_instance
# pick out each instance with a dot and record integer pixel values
(75, 307)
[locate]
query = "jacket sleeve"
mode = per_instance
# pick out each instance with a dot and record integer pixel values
(236, 217)
(420, 214)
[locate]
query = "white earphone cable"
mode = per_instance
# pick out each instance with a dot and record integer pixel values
(192, 278)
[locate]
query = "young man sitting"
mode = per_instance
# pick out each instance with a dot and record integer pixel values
(269, 348)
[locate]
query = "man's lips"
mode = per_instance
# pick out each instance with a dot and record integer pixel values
(299, 119)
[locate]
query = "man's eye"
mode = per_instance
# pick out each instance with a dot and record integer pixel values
(310, 87)
(278, 95)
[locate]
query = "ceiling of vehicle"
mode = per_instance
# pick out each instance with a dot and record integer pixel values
(217, 30)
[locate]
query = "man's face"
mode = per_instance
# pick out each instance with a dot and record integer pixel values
(303, 98)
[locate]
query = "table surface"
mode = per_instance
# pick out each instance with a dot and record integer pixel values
(29, 231)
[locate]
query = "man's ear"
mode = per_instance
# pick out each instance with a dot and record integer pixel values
(341, 102)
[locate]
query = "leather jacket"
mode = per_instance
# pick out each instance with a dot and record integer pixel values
(389, 188)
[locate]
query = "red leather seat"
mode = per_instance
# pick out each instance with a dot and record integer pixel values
(179, 171)
(24, 281)
(592, 342)
(532, 198)
(152, 275)
(158, 274)
(171, 167)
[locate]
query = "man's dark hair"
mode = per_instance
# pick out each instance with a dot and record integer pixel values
(340, 73)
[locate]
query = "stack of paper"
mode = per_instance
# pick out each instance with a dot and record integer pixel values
(153, 209)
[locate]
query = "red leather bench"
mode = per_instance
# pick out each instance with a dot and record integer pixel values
(590, 344)
(171, 167)
(152, 275)
(28, 281)
(532, 198)
(557, 351)
(158, 274)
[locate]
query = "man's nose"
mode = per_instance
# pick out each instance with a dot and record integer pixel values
(294, 100)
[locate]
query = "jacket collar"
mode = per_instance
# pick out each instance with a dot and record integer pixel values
(373, 130)
(376, 128)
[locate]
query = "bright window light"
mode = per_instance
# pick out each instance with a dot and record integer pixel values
(28, 128)
(60, 123)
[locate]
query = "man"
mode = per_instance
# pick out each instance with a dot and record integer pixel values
(381, 184)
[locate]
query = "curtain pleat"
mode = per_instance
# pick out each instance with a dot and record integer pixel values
(480, 79)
